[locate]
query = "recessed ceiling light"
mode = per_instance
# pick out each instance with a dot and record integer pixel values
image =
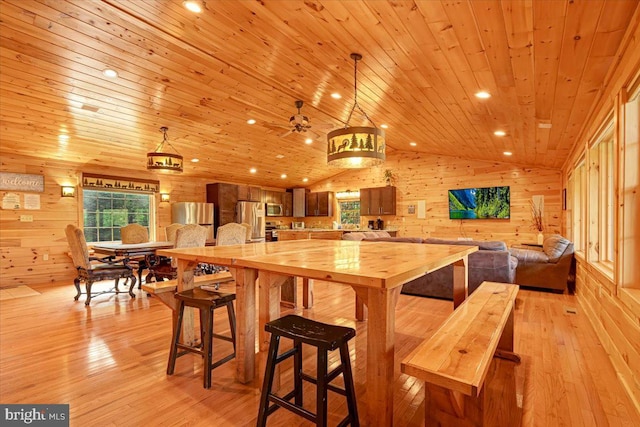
(483, 95)
(279, 156)
(308, 141)
(544, 125)
(305, 179)
(283, 176)
(384, 126)
(413, 144)
(336, 96)
(193, 6)
(507, 153)
(499, 133)
(195, 160)
(251, 121)
(112, 74)
(253, 170)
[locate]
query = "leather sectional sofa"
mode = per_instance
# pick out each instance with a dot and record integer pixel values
(547, 267)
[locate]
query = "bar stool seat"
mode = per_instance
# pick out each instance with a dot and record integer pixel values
(206, 302)
(325, 338)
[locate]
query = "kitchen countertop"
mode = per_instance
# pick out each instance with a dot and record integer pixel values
(331, 229)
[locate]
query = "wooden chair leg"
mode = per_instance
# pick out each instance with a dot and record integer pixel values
(76, 283)
(175, 338)
(349, 386)
(321, 389)
(269, 374)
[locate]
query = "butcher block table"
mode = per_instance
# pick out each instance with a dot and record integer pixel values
(375, 270)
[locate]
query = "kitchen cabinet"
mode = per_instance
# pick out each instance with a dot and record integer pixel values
(273, 196)
(248, 193)
(378, 201)
(287, 203)
(320, 203)
(224, 198)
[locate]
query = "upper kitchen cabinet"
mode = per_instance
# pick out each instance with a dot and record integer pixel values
(224, 198)
(320, 204)
(378, 201)
(248, 193)
(273, 196)
(287, 203)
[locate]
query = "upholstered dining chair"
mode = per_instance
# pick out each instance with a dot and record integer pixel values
(231, 234)
(171, 231)
(131, 234)
(92, 269)
(134, 233)
(187, 236)
(248, 229)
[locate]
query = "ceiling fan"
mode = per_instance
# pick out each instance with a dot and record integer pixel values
(298, 122)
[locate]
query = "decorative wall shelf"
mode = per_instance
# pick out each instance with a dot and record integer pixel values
(119, 183)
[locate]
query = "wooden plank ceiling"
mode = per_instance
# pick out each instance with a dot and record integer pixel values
(203, 75)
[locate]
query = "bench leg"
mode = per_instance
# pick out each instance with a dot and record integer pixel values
(495, 405)
(505, 345)
(460, 281)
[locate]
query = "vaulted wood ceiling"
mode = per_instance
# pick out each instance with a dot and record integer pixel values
(204, 75)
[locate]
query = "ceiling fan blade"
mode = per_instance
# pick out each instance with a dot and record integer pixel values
(286, 133)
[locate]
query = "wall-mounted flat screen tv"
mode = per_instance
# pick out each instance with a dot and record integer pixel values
(480, 203)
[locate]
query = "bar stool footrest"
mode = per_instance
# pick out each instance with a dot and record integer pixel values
(281, 402)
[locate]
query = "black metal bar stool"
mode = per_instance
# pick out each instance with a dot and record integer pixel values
(326, 338)
(206, 302)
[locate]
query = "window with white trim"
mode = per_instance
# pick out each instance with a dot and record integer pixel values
(105, 211)
(601, 198)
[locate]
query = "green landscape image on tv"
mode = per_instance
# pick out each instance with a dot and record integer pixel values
(479, 203)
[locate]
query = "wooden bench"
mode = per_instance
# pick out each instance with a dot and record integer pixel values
(457, 359)
(165, 289)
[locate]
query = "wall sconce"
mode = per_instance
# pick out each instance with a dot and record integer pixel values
(164, 197)
(68, 191)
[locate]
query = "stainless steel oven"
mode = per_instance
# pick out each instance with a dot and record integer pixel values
(274, 209)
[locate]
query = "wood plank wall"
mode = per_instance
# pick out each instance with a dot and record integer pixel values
(613, 304)
(23, 245)
(428, 178)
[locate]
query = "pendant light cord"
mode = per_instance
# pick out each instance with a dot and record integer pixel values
(165, 140)
(355, 96)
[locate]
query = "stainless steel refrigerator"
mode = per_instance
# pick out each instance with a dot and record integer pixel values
(193, 213)
(253, 214)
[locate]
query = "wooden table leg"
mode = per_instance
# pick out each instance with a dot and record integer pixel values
(460, 281)
(307, 292)
(245, 323)
(380, 355)
(361, 303)
(269, 303)
(186, 271)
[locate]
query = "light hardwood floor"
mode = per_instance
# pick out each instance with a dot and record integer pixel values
(108, 361)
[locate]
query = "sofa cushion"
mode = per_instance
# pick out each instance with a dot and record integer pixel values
(529, 256)
(489, 245)
(396, 239)
(375, 234)
(554, 246)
